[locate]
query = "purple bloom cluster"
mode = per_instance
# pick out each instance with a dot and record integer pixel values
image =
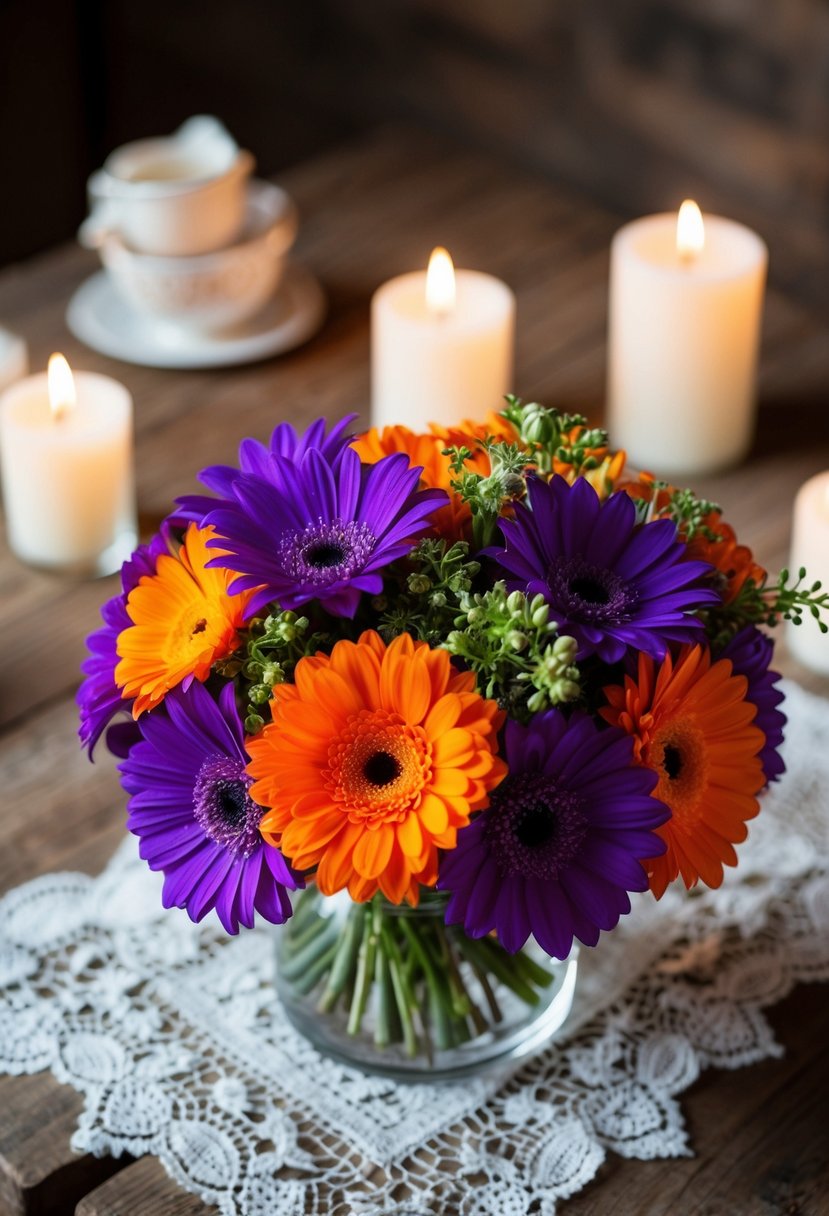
(195, 819)
(562, 842)
(308, 520)
(612, 584)
(750, 653)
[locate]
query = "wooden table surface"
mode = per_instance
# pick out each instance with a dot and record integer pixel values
(369, 211)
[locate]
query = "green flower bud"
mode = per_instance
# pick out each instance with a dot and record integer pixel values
(540, 615)
(437, 599)
(565, 648)
(259, 694)
(419, 584)
(538, 425)
(517, 640)
(565, 690)
(271, 674)
(513, 485)
(515, 601)
(253, 723)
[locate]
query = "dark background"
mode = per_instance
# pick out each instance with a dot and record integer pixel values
(637, 102)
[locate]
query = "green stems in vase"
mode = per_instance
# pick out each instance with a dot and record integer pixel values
(400, 976)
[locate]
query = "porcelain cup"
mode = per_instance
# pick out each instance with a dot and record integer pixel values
(177, 196)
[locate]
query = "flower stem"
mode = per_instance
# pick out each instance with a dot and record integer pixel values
(365, 969)
(343, 965)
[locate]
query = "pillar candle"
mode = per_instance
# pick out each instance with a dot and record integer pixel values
(442, 346)
(66, 462)
(14, 360)
(810, 548)
(685, 309)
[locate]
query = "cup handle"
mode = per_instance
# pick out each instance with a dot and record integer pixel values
(97, 226)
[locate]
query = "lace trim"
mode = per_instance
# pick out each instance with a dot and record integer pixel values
(173, 1035)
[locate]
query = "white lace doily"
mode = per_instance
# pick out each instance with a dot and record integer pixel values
(175, 1038)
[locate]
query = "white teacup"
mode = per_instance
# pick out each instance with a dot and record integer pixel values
(174, 197)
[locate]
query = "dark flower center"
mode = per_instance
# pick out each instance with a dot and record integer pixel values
(324, 555)
(672, 761)
(222, 806)
(534, 827)
(590, 590)
(581, 591)
(537, 827)
(326, 552)
(381, 769)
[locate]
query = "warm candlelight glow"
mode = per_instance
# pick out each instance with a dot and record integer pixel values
(62, 396)
(690, 230)
(440, 283)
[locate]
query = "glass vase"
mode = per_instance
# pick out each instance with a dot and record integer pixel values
(395, 990)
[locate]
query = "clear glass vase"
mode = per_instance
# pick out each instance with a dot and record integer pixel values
(397, 991)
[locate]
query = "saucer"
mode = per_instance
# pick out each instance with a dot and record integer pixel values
(102, 319)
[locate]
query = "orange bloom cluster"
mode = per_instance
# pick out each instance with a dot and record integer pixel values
(692, 725)
(376, 756)
(427, 450)
(183, 621)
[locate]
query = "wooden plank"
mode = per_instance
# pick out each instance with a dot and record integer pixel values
(142, 1189)
(40, 1175)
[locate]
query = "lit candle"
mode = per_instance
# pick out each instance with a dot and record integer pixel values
(442, 344)
(686, 300)
(14, 360)
(66, 459)
(810, 548)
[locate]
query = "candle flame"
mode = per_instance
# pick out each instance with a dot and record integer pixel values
(690, 230)
(62, 395)
(440, 283)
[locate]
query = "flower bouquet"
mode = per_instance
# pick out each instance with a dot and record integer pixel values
(441, 702)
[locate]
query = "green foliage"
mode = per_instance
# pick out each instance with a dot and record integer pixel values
(429, 588)
(487, 496)
(513, 648)
(767, 605)
(275, 644)
(550, 435)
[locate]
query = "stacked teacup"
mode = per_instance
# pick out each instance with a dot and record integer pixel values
(187, 236)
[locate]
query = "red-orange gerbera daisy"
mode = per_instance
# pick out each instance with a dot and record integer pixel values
(693, 726)
(427, 450)
(734, 561)
(374, 759)
(183, 620)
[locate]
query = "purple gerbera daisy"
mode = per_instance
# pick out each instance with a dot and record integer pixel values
(562, 841)
(195, 819)
(750, 653)
(611, 583)
(257, 460)
(99, 697)
(315, 530)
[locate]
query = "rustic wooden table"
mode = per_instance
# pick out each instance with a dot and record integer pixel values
(369, 211)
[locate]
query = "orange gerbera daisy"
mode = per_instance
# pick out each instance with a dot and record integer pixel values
(183, 620)
(693, 726)
(427, 450)
(374, 759)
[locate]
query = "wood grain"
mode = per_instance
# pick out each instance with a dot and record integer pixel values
(371, 210)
